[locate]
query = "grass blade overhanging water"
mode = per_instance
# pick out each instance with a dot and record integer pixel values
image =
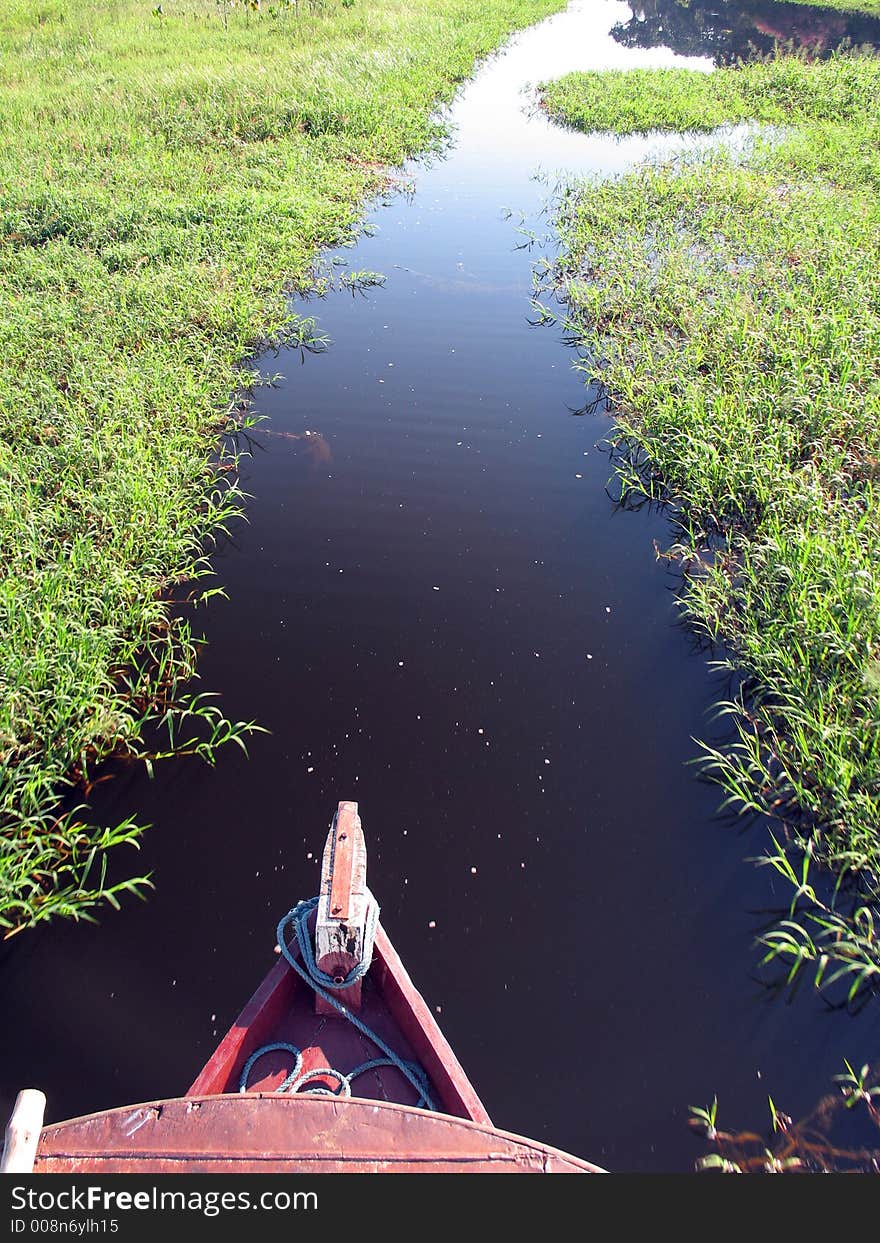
(167, 175)
(730, 305)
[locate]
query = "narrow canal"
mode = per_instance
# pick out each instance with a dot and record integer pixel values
(435, 609)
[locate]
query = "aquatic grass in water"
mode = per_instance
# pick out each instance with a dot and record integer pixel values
(839, 1135)
(166, 177)
(730, 306)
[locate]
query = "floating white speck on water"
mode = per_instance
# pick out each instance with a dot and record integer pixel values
(607, 608)
(473, 871)
(435, 588)
(310, 770)
(578, 476)
(432, 923)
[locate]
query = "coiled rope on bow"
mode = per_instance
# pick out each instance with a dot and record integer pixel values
(325, 985)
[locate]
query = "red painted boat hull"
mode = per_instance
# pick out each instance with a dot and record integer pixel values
(283, 1009)
(287, 1135)
(375, 1121)
(217, 1129)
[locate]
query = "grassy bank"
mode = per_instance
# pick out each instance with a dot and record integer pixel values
(166, 172)
(732, 307)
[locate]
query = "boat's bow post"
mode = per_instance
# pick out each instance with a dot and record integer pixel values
(343, 905)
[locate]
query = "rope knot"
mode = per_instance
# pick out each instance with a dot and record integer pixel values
(325, 986)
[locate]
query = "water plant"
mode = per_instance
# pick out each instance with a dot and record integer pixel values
(825, 1141)
(359, 282)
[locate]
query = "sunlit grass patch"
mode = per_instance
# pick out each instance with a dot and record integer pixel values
(872, 7)
(787, 90)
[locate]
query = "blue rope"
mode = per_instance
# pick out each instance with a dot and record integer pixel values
(299, 918)
(322, 983)
(270, 1048)
(325, 1072)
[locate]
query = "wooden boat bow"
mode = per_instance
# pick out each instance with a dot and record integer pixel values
(335, 1064)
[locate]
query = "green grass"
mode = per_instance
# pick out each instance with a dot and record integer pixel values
(790, 90)
(165, 177)
(871, 7)
(731, 307)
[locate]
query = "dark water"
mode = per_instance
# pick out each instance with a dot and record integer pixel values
(435, 609)
(731, 32)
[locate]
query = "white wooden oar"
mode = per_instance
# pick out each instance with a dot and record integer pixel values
(23, 1132)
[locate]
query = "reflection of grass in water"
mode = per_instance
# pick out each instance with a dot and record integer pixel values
(734, 303)
(166, 176)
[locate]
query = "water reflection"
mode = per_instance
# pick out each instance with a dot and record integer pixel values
(730, 32)
(312, 444)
